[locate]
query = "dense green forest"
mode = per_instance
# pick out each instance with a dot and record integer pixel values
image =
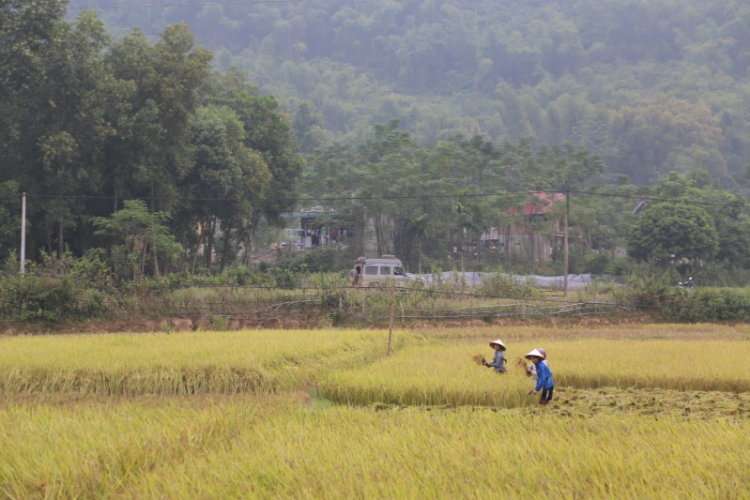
(163, 139)
(651, 86)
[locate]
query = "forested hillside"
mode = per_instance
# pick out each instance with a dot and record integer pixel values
(652, 86)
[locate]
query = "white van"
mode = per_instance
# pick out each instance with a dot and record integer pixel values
(384, 271)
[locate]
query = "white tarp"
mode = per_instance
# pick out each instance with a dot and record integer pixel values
(575, 281)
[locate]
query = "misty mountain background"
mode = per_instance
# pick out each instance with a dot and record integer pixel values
(651, 86)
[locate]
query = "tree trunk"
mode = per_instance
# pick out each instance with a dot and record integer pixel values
(419, 255)
(183, 257)
(225, 251)
(84, 236)
(246, 243)
(49, 239)
(141, 260)
(376, 226)
(379, 235)
(156, 263)
(506, 250)
(60, 240)
(210, 243)
(195, 253)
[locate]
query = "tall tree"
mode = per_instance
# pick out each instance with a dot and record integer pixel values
(225, 178)
(668, 232)
(179, 68)
(64, 127)
(267, 132)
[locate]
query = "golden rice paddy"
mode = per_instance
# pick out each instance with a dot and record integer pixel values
(639, 411)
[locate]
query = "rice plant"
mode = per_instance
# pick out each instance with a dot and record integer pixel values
(186, 363)
(90, 451)
(348, 452)
(699, 365)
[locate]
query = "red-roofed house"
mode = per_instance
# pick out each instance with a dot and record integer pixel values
(527, 237)
(543, 203)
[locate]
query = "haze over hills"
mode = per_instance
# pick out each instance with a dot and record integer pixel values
(652, 86)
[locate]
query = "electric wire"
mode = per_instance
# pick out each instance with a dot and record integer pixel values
(737, 204)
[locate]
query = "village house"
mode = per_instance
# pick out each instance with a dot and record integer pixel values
(532, 236)
(315, 227)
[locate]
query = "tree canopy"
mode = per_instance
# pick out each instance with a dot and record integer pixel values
(91, 124)
(669, 232)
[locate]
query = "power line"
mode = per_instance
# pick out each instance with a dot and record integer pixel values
(320, 199)
(661, 199)
(203, 198)
(190, 4)
(729, 204)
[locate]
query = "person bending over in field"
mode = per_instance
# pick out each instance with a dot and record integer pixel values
(544, 380)
(499, 362)
(531, 368)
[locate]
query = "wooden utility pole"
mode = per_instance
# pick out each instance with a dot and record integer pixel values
(566, 248)
(23, 233)
(393, 314)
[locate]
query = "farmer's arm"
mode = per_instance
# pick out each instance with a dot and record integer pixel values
(498, 361)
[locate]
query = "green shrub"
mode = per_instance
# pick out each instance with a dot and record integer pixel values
(498, 285)
(314, 261)
(33, 299)
(652, 291)
(711, 304)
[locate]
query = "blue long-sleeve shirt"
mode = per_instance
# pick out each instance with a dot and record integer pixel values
(499, 362)
(544, 377)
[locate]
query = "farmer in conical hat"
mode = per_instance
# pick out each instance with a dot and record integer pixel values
(544, 380)
(499, 362)
(531, 368)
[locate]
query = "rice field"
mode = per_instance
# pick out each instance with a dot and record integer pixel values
(444, 373)
(656, 411)
(183, 363)
(89, 451)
